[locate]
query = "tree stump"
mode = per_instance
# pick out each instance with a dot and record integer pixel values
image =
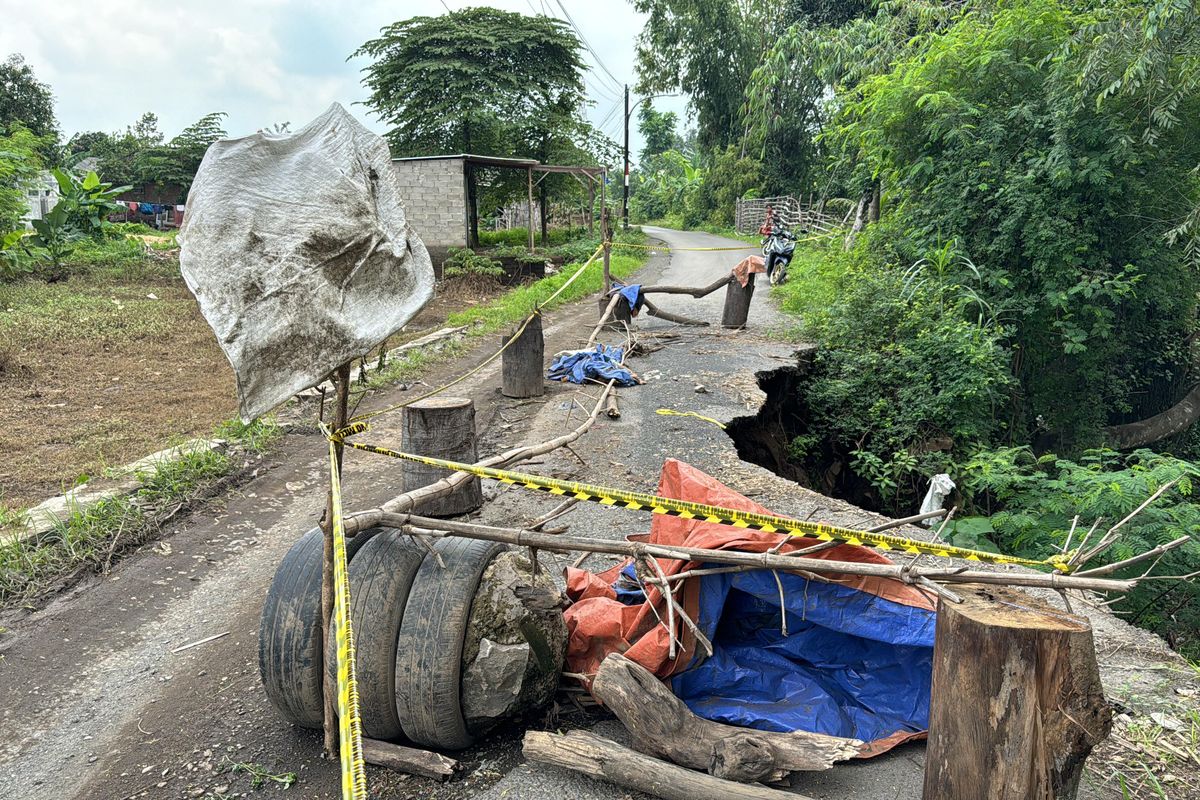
(1017, 703)
(737, 303)
(442, 427)
(521, 362)
(621, 314)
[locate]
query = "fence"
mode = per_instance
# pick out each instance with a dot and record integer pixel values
(791, 212)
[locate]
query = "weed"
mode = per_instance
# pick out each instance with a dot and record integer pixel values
(91, 537)
(259, 775)
(255, 436)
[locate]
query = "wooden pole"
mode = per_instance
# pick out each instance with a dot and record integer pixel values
(606, 233)
(606, 760)
(529, 207)
(737, 303)
(444, 427)
(1016, 704)
(521, 362)
(785, 561)
(341, 415)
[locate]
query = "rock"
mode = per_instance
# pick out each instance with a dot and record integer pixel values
(1167, 722)
(492, 684)
(514, 608)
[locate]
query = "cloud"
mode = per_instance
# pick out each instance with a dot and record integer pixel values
(261, 61)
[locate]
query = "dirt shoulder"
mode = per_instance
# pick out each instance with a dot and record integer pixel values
(95, 703)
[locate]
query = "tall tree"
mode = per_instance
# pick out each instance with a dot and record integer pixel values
(706, 48)
(658, 131)
(456, 83)
(25, 99)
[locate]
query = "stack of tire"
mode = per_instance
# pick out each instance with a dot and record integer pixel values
(411, 611)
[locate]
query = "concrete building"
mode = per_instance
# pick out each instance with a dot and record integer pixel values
(436, 194)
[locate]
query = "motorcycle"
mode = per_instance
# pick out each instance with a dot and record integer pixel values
(777, 249)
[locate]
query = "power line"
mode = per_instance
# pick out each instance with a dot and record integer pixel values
(616, 83)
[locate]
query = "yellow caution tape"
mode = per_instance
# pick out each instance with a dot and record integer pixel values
(670, 412)
(747, 246)
(354, 775)
(716, 514)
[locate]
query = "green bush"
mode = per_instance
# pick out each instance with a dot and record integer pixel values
(1024, 503)
(464, 263)
(911, 376)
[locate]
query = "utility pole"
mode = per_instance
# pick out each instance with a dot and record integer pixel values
(625, 192)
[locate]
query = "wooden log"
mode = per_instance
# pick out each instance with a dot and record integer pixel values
(694, 291)
(679, 319)
(522, 362)
(443, 427)
(1017, 703)
(606, 760)
(737, 303)
(408, 760)
(661, 725)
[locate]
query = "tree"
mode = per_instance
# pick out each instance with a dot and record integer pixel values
(658, 131)
(452, 83)
(707, 49)
(25, 99)
(479, 80)
(20, 164)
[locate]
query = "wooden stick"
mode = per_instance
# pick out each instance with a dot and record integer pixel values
(563, 544)
(896, 523)
(661, 725)
(555, 513)
(606, 760)
(341, 414)
(1157, 551)
(608, 312)
(408, 759)
(1111, 535)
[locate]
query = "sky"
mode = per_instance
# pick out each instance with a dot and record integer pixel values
(261, 61)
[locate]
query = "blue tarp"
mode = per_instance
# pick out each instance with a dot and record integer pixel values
(853, 664)
(603, 363)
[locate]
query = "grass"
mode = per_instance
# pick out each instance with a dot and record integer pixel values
(79, 309)
(90, 538)
(520, 236)
(513, 306)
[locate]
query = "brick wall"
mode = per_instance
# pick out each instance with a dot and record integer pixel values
(435, 202)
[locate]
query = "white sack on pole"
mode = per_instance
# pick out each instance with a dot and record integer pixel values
(299, 252)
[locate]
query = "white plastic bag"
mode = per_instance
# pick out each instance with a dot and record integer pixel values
(299, 252)
(940, 487)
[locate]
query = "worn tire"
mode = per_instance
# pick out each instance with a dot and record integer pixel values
(430, 646)
(289, 633)
(380, 577)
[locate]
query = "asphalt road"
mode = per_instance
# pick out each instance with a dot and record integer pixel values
(93, 703)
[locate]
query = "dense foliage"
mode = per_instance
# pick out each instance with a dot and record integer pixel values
(1029, 175)
(26, 100)
(139, 156)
